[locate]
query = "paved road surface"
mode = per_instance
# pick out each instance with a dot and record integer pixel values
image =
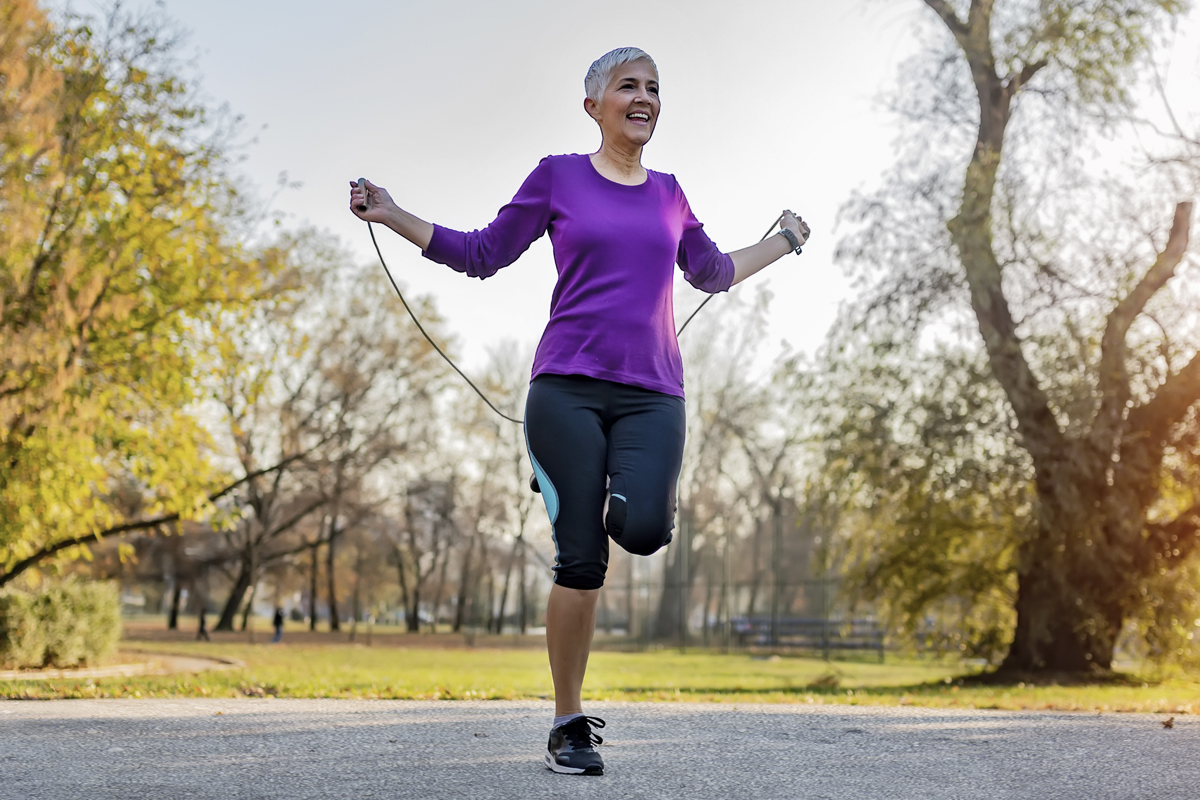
(361, 750)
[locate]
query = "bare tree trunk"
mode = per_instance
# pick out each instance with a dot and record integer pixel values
(1070, 638)
(726, 615)
(312, 585)
(176, 594)
(512, 560)
(708, 603)
(756, 570)
(777, 571)
(331, 572)
(605, 611)
(678, 573)
(523, 509)
(464, 584)
(249, 607)
(441, 587)
(524, 622)
(414, 618)
(234, 602)
(490, 594)
(409, 598)
(356, 596)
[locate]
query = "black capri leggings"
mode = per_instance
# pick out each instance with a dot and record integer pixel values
(579, 432)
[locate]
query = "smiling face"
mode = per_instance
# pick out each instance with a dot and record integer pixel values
(628, 109)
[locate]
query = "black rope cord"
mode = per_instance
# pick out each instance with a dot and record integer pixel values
(462, 374)
(679, 332)
(429, 338)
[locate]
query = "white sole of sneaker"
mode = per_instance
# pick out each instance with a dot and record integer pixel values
(554, 766)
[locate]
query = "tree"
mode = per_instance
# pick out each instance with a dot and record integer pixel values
(495, 448)
(120, 241)
(422, 547)
(1078, 322)
(507, 378)
(330, 384)
(929, 492)
(378, 378)
(725, 403)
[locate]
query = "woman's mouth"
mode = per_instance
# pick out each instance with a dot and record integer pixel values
(638, 116)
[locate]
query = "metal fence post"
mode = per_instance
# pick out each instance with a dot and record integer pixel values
(684, 585)
(777, 552)
(825, 618)
(725, 590)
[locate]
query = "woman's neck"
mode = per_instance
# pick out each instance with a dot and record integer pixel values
(619, 164)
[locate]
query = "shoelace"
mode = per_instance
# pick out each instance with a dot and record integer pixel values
(580, 734)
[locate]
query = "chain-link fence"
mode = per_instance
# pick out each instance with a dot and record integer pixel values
(805, 615)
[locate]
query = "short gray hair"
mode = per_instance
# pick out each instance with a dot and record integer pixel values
(600, 73)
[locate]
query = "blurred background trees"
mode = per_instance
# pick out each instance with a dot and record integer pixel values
(122, 238)
(994, 455)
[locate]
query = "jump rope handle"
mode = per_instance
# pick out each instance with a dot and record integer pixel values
(362, 184)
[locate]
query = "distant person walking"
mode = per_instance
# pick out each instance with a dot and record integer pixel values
(604, 418)
(277, 621)
(202, 631)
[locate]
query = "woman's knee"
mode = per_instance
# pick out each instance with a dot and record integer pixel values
(640, 531)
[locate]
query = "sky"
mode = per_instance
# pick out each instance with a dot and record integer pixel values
(450, 104)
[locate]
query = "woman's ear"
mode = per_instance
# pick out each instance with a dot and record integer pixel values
(592, 108)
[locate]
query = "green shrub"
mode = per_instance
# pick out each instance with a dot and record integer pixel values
(22, 639)
(62, 624)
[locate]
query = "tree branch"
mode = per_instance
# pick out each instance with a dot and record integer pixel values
(1177, 539)
(1153, 419)
(1021, 79)
(48, 550)
(291, 522)
(971, 233)
(956, 26)
(1113, 377)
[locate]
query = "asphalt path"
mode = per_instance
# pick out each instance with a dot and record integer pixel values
(363, 749)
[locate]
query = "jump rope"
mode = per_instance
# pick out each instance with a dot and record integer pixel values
(370, 228)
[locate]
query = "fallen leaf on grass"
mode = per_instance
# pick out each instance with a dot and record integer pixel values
(1169, 722)
(828, 680)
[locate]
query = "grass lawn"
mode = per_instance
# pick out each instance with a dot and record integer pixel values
(440, 673)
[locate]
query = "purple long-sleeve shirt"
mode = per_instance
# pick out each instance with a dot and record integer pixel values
(615, 246)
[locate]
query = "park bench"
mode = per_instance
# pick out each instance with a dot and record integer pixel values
(803, 633)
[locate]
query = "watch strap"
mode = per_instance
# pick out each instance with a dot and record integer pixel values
(792, 240)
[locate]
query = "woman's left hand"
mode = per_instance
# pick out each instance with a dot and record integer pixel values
(796, 225)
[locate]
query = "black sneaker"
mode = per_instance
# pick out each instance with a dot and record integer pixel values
(572, 748)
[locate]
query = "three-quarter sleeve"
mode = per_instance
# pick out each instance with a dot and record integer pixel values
(521, 222)
(702, 262)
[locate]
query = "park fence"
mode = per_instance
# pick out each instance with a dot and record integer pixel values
(805, 616)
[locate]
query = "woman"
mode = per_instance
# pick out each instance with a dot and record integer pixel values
(604, 418)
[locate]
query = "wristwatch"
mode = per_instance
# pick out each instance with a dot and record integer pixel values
(793, 242)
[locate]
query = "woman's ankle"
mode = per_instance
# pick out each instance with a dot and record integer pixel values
(563, 719)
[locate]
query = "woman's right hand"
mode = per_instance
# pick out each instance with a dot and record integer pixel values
(378, 202)
(792, 221)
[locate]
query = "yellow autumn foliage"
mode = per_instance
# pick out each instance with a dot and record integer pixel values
(118, 250)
